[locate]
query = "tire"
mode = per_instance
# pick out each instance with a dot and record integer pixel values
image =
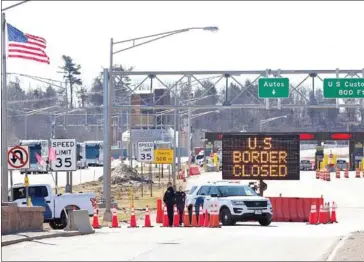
(265, 221)
(56, 224)
(63, 220)
(226, 218)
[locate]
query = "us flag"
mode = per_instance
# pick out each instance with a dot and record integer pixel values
(26, 46)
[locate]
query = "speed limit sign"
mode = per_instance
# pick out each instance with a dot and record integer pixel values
(145, 151)
(64, 158)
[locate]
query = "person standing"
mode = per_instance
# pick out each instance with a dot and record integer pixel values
(169, 199)
(180, 202)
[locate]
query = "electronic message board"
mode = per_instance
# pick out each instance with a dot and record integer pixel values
(260, 156)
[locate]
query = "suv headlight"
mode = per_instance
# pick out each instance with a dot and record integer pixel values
(238, 203)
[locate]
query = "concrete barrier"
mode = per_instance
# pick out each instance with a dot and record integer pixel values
(78, 220)
(20, 219)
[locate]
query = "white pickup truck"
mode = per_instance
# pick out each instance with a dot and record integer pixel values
(56, 206)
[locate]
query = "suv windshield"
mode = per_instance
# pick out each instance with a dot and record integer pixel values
(190, 192)
(227, 191)
(198, 157)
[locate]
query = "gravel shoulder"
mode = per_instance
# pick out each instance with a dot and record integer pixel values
(352, 249)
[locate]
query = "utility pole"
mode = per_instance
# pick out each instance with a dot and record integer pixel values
(189, 129)
(4, 114)
(107, 147)
(174, 141)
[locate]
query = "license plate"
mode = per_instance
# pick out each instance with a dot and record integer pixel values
(258, 212)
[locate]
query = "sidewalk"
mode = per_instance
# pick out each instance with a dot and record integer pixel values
(30, 236)
(352, 248)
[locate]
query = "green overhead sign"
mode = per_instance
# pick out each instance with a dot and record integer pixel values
(273, 88)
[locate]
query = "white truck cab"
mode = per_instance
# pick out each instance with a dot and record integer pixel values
(235, 202)
(56, 206)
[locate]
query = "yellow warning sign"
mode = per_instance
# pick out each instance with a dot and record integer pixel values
(163, 156)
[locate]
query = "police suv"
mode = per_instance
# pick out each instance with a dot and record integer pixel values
(235, 202)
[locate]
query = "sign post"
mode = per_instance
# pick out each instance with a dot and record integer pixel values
(142, 171)
(11, 185)
(26, 183)
(343, 88)
(146, 155)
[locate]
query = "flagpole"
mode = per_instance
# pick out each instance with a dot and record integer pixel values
(4, 118)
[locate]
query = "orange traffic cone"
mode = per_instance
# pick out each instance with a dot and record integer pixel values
(207, 221)
(214, 219)
(312, 220)
(346, 173)
(194, 218)
(333, 213)
(95, 220)
(357, 173)
(318, 173)
(114, 219)
(328, 176)
(321, 216)
(212, 215)
(133, 223)
(337, 172)
(147, 222)
(327, 213)
(175, 217)
(165, 218)
(186, 218)
(159, 218)
(200, 217)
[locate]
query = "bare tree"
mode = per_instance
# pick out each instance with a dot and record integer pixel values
(71, 72)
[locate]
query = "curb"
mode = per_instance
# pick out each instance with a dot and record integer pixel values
(341, 242)
(60, 234)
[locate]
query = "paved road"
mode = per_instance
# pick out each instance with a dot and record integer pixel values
(245, 241)
(281, 241)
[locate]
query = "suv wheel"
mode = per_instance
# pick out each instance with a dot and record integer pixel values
(56, 224)
(226, 218)
(265, 221)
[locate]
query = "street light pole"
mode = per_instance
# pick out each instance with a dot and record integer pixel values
(189, 129)
(174, 142)
(107, 99)
(108, 89)
(4, 120)
(107, 148)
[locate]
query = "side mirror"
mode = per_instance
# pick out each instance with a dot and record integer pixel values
(214, 195)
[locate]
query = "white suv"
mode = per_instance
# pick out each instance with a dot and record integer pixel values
(235, 202)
